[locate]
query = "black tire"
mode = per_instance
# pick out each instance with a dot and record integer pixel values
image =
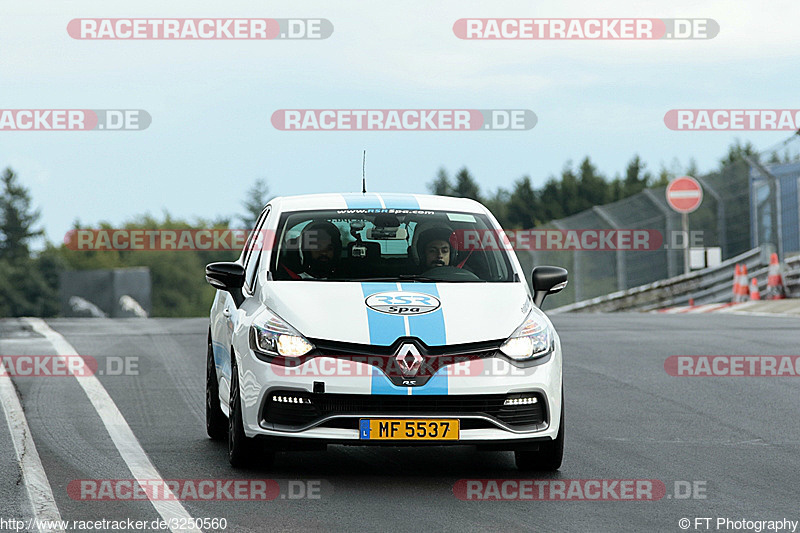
(549, 456)
(216, 422)
(240, 446)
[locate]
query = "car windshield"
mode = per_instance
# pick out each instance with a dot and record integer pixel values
(390, 245)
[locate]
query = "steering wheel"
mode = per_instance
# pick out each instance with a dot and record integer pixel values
(450, 273)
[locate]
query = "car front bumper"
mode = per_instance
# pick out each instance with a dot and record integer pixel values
(465, 383)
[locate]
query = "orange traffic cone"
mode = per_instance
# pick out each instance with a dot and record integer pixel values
(754, 294)
(735, 297)
(743, 284)
(775, 287)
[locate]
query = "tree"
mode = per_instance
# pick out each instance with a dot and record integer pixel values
(663, 178)
(257, 197)
(570, 204)
(592, 187)
(441, 185)
(636, 178)
(499, 205)
(523, 205)
(466, 186)
(17, 219)
(550, 200)
(737, 152)
(692, 169)
(29, 285)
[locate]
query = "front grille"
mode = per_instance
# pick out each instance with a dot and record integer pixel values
(472, 350)
(324, 405)
(384, 357)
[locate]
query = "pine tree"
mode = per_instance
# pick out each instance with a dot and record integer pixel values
(441, 185)
(17, 219)
(636, 178)
(523, 205)
(466, 186)
(257, 198)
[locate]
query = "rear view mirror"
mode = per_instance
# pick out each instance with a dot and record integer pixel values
(547, 280)
(386, 233)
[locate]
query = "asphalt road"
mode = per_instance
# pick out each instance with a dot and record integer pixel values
(735, 438)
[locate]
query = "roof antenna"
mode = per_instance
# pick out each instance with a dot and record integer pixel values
(363, 174)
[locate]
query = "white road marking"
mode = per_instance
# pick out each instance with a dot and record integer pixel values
(118, 429)
(36, 483)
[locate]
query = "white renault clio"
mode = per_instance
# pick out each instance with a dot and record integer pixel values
(388, 319)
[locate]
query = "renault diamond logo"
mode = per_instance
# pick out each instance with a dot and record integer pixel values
(409, 359)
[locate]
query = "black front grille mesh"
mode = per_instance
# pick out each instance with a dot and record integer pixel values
(323, 405)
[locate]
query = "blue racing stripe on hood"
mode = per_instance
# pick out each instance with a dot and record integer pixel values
(383, 329)
(430, 329)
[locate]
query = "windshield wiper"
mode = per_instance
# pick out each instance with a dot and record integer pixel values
(411, 277)
(401, 277)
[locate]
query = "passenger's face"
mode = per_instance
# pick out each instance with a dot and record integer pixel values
(437, 253)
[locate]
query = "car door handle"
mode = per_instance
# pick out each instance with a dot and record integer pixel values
(226, 312)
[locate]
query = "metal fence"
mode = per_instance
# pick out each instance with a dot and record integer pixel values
(723, 220)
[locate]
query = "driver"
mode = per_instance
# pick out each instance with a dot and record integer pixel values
(434, 248)
(321, 246)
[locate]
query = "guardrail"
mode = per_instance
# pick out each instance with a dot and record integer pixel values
(791, 277)
(710, 285)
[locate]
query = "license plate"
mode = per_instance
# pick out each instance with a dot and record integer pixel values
(404, 429)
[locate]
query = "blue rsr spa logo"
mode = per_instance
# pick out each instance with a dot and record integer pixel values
(403, 303)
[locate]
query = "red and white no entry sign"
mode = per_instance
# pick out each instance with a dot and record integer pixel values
(684, 194)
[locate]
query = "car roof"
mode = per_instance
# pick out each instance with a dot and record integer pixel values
(376, 201)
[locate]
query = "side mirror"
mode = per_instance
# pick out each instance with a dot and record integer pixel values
(227, 277)
(547, 280)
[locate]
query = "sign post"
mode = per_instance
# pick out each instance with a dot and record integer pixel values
(684, 195)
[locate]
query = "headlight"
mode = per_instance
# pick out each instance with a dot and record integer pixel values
(276, 337)
(533, 339)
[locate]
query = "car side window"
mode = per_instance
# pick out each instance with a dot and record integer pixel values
(254, 243)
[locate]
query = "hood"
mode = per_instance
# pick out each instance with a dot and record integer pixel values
(436, 313)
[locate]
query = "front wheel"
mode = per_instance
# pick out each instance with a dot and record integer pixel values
(240, 446)
(549, 456)
(216, 423)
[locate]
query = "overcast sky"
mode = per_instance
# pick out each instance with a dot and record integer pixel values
(211, 101)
